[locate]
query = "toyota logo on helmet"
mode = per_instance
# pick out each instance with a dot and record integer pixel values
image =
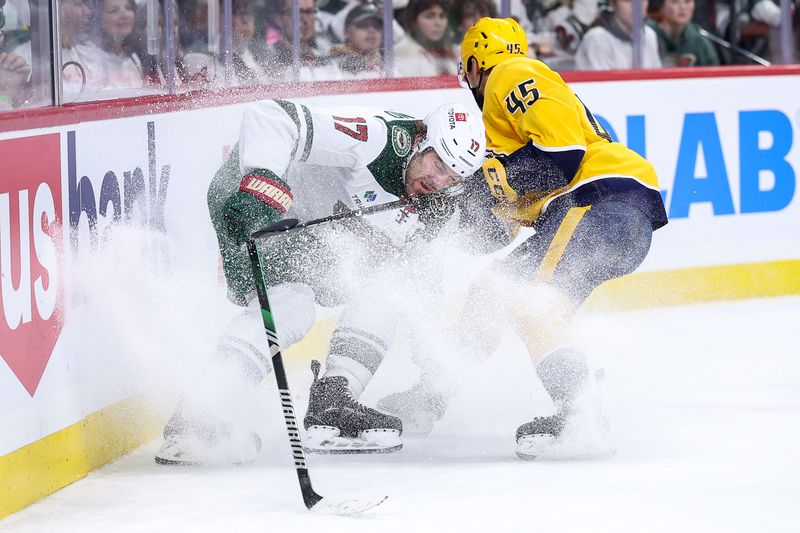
(457, 136)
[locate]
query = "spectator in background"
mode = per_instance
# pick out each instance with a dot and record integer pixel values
(334, 24)
(764, 28)
(201, 68)
(194, 26)
(247, 70)
(570, 21)
(274, 22)
(608, 44)
(155, 66)
(14, 68)
(315, 63)
(73, 18)
(360, 55)
(18, 13)
(766, 11)
(519, 11)
(427, 48)
(679, 42)
(14, 73)
(465, 13)
(109, 58)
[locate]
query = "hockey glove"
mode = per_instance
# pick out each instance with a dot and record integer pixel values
(260, 201)
(435, 209)
(438, 205)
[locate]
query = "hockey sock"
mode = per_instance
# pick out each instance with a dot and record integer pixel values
(355, 354)
(563, 373)
(357, 375)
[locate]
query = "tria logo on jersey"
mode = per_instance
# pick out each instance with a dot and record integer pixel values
(31, 273)
(370, 196)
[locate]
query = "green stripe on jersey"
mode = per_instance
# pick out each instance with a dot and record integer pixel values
(309, 133)
(291, 110)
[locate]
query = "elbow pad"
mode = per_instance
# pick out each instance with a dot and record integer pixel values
(529, 169)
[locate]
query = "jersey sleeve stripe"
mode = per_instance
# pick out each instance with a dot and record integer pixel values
(607, 185)
(309, 134)
(559, 148)
(291, 110)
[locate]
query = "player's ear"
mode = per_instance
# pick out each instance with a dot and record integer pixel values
(420, 131)
(472, 64)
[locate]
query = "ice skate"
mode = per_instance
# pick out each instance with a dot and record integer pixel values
(337, 423)
(536, 437)
(565, 436)
(418, 408)
(192, 442)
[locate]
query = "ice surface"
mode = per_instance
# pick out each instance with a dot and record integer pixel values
(704, 403)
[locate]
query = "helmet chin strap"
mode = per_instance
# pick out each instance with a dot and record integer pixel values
(478, 97)
(474, 90)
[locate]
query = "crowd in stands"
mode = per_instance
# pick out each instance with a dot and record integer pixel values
(113, 46)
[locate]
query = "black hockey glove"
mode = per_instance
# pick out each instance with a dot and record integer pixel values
(438, 205)
(435, 209)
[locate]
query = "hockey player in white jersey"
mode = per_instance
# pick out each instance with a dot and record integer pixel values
(305, 162)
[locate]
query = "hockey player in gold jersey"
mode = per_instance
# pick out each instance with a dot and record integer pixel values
(593, 204)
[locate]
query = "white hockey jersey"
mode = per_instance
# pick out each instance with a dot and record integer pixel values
(354, 156)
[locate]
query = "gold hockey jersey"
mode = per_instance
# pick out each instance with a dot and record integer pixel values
(529, 113)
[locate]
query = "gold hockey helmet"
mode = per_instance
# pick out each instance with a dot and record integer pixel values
(491, 41)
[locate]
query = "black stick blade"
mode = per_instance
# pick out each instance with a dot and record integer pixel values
(276, 227)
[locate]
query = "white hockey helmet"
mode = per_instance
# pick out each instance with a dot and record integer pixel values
(457, 136)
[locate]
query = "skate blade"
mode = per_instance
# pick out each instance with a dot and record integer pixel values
(203, 455)
(547, 448)
(173, 462)
(215, 463)
(416, 424)
(327, 440)
(342, 450)
(328, 506)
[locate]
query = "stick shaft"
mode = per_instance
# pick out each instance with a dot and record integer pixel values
(310, 498)
(730, 46)
(396, 204)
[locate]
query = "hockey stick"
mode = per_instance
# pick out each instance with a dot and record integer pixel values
(311, 499)
(734, 48)
(434, 202)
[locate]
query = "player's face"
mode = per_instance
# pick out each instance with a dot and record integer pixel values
(471, 79)
(426, 173)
